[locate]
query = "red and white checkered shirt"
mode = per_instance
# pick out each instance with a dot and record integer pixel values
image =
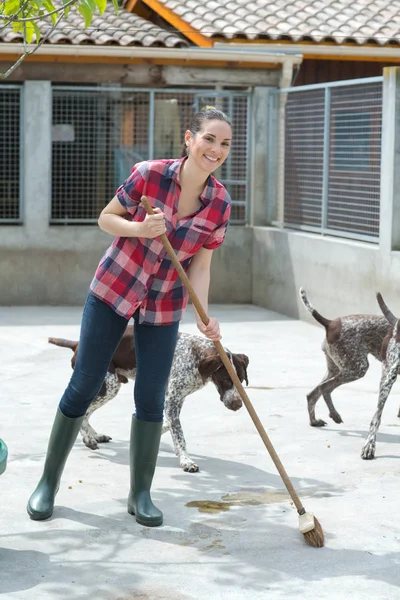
(137, 272)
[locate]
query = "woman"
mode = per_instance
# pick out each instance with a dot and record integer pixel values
(135, 278)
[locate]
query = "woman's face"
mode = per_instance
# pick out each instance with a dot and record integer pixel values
(209, 148)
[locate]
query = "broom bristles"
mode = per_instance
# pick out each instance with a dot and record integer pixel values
(315, 537)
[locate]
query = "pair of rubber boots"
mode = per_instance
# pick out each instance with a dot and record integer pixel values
(144, 445)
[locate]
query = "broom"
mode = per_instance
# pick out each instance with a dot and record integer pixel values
(308, 524)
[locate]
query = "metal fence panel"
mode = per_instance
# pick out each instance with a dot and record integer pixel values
(355, 159)
(100, 133)
(10, 153)
(332, 148)
(304, 150)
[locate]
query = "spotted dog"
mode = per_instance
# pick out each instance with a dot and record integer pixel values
(195, 364)
(390, 369)
(348, 342)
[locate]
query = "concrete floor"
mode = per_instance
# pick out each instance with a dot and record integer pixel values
(250, 547)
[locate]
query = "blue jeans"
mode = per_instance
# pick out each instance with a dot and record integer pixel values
(101, 332)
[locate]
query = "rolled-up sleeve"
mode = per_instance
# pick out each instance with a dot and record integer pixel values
(216, 238)
(131, 191)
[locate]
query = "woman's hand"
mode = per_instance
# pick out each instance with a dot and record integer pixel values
(153, 225)
(211, 330)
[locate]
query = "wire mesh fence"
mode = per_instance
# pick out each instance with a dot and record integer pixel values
(332, 155)
(10, 153)
(100, 133)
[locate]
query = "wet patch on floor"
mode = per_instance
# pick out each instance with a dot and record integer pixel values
(252, 497)
(244, 498)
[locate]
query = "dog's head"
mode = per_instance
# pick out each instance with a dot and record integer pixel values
(212, 367)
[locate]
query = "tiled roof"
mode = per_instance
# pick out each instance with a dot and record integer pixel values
(124, 29)
(360, 21)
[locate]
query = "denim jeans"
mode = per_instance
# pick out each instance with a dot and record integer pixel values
(101, 331)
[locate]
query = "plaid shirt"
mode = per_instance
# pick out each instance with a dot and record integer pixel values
(137, 272)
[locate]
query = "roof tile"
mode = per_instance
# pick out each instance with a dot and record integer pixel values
(357, 20)
(124, 29)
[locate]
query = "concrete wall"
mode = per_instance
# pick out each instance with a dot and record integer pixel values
(339, 276)
(58, 267)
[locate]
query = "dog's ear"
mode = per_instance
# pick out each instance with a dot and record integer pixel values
(241, 362)
(209, 365)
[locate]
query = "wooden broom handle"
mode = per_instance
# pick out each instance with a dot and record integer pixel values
(229, 367)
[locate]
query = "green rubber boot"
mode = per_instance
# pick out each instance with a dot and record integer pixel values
(3, 456)
(145, 442)
(62, 438)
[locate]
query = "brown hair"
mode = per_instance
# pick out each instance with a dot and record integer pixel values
(206, 114)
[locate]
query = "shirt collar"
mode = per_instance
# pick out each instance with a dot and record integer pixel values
(173, 173)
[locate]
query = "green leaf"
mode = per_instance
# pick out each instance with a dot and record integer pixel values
(86, 13)
(116, 7)
(11, 7)
(37, 31)
(66, 10)
(17, 27)
(101, 5)
(91, 4)
(29, 31)
(49, 6)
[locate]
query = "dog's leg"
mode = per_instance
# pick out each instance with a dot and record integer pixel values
(315, 394)
(110, 388)
(345, 376)
(389, 375)
(172, 411)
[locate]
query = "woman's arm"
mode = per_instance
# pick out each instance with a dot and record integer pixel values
(199, 276)
(112, 220)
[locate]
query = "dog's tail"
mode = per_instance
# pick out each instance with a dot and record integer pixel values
(63, 343)
(386, 312)
(311, 309)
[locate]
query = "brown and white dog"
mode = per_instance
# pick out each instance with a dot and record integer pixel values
(348, 343)
(196, 362)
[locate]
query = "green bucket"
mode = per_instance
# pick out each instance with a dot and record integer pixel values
(3, 456)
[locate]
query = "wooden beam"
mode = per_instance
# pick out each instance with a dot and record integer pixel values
(130, 5)
(315, 54)
(139, 8)
(124, 74)
(64, 59)
(194, 76)
(180, 24)
(382, 59)
(142, 75)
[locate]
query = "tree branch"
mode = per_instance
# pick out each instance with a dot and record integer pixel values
(30, 52)
(25, 4)
(13, 19)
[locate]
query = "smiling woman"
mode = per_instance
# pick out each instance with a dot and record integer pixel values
(136, 278)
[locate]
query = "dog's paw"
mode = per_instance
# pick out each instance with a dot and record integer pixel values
(103, 439)
(190, 467)
(336, 417)
(368, 452)
(318, 423)
(90, 442)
